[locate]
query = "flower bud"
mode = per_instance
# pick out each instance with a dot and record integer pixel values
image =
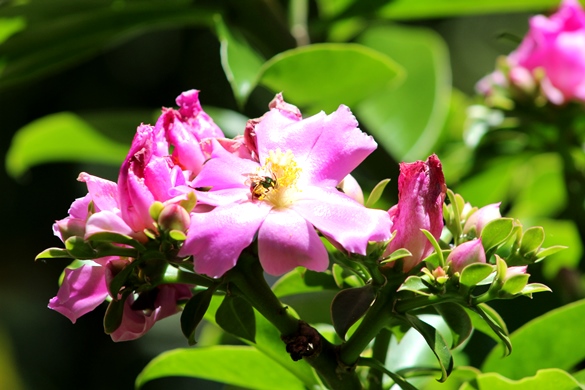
(481, 218)
(467, 253)
(174, 217)
(351, 188)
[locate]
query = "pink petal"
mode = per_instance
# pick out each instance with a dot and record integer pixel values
(106, 221)
(104, 193)
(216, 238)
(135, 202)
(83, 289)
(286, 241)
(343, 219)
(326, 147)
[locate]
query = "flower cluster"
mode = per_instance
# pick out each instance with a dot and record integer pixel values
(549, 63)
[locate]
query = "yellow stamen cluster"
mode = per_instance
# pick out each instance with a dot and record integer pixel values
(275, 182)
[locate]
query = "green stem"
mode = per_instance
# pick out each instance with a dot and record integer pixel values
(377, 317)
(379, 352)
(247, 279)
(299, 11)
(175, 275)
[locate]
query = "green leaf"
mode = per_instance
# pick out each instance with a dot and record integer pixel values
(495, 233)
(117, 238)
(236, 316)
(234, 365)
(458, 320)
(323, 76)
(194, 311)
(376, 193)
(10, 26)
(350, 305)
(415, 284)
(474, 273)
(407, 121)
(436, 246)
(396, 255)
(268, 342)
(532, 288)
(60, 137)
(120, 278)
(301, 281)
(496, 324)
(404, 9)
(62, 33)
(437, 344)
(79, 248)
(240, 62)
(547, 341)
(514, 284)
(398, 379)
(532, 240)
(54, 253)
(114, 313)
(545, 379)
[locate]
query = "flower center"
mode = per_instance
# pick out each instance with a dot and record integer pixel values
(275, 181)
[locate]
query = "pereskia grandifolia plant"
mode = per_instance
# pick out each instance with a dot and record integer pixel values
(195, 216)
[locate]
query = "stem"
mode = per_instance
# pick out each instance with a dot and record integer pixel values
(299, 10)
(379, 352)
(377, 317)
(248, 280)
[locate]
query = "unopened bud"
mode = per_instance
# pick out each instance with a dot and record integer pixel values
(174, 217)
(467, 253)
(481, 218)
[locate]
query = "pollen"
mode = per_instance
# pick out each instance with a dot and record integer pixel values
(275, 182)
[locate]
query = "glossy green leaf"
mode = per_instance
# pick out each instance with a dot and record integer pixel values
(10, 26)
(350, 305)
(474, 273)
(323, 76)
(545, 379)
(236, 316)
(79, 248)
(116, 238)
(301, 281)
(515, 284)
(437, 344)
(396, 255)
(193, 313)
(240, 62)
(547, 341)
(458, 320)
(532, 240)
(234, 365)
(415, 284)
(62, 33)
(495, 233)
(115, 313)
(532, 288)
(54, 253)
(496, 324)
(268, 342)
(407, 121)
(376, 193)
(404, 9)
(61, 137)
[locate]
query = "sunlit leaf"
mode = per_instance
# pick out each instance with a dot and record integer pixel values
(323, 76)
(547, 341)
(234, 365)
(240, 62)
(545, 379)
(408, 120)
(61, 137)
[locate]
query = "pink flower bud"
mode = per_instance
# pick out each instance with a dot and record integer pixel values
(482, 217)
(351, 188)
(467, 253)
(421, 192)
(174, 217)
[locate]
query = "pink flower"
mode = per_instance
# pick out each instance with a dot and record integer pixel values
(141, 313)
(555, 47)
(83, 289)
(467, 253)
(482, 217)
(421, 192)
(284, 195)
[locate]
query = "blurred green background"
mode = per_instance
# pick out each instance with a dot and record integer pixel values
(139, 68)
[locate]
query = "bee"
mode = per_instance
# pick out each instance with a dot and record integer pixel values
(260, 185)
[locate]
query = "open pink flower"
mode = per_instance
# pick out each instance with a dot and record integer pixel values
(421, 192)
(284, 195)
(551, 53)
